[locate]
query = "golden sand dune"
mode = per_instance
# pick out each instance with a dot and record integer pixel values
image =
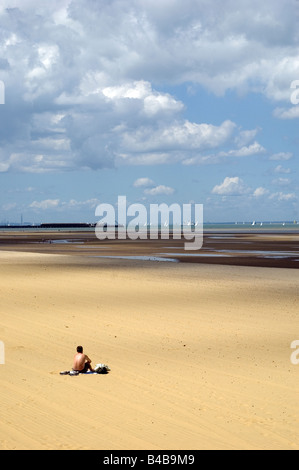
(199, 354)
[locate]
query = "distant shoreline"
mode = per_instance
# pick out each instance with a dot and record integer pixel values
(233, 227)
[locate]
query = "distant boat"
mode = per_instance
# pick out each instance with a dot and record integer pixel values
(253, 223)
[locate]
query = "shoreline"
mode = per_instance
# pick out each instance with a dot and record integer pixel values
(260, 249)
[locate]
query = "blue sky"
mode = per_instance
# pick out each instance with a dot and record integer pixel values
(161, 101)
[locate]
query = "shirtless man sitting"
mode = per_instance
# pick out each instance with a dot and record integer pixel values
(82, 363)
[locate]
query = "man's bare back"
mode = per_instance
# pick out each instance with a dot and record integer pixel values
(81, 362)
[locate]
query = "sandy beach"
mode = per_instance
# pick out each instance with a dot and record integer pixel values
(199, 353)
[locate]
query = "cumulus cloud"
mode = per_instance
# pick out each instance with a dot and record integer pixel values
(143, 182)
(259, 192)
(151, 189)
(79, 77)
(287, 113)
(281, 169)
(158, 190)
(281, 156)
(149, 158)
(178, 136)
(4, 166)
(280, 196)
(245, 137)
(44, 205)
(232, 186)
(72, 204)
(253, 149)
(281, 181)
(151, 102)
(238, 151)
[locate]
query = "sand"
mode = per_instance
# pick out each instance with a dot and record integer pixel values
(199, 354)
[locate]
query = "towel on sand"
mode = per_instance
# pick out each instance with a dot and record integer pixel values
(99, 369)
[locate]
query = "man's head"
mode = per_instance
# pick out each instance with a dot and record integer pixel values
(79, 349)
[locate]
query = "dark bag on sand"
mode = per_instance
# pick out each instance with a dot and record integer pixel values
(102, 369)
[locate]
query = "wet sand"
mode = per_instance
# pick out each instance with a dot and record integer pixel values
(199, 352)
(221, 248)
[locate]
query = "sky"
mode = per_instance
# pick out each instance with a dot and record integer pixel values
(161, 101)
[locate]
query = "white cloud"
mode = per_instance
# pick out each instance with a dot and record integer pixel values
(177, 136)
(280, 196)
(287, 113)
(231, 186)
(281, 156)
(281, 181)
(245, 137)
(74, 204)
(57, 204)
(38, 163)
(95, 67)
(44, 205)
(201, 160)
(149, 158)
(158, 190)
(242, 151)
(143, 182)
(253, 149)
(282, 170)
(259, 192)
(152, 102)
(169, 40)
(4, 167)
